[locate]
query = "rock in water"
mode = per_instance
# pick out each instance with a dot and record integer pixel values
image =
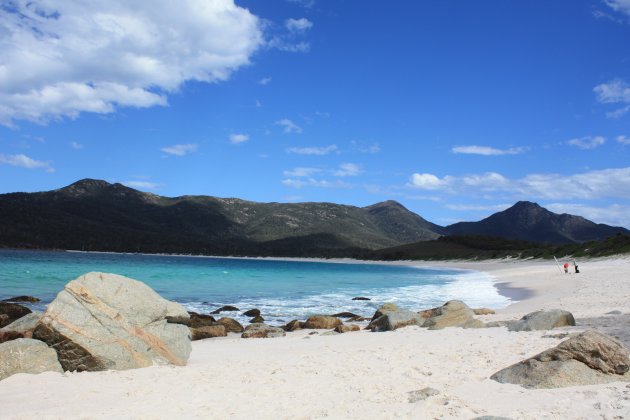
(105, 321)
(262, 331)
(252, 312)
(257, 320)
(453, 313)
(12, 312)
(27, 356)
(22, 299)
(226, 308)
(585, 359)
(543, 320)
(322, 322)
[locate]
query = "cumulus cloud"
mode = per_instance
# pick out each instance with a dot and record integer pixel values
(318, 151)
(348, 169)
(58, 59)
(616, 91)
(24, 161)
(592, 185)
(621, 6)
(623, 140)
(144, 185)
(180, 149)
(289, 126)
(487, 151)
(301, 172)
(238, 138)
(298, 25)
(587, 143)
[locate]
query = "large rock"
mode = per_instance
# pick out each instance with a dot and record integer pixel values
(453, 313)
(200, 320)
(231, 325)
(106, 321)
(394, 320)
(584, 359)
(543, 320)
(12, 312)
(24, 325)
(259, 330)
(386, 308)
(209, 331)
(27, 356)
(322, 322)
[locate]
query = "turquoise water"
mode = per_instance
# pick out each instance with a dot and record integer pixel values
(283, 290)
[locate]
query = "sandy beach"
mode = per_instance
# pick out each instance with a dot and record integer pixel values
(364, 374)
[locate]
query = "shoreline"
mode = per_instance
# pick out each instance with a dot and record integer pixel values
(363, 374)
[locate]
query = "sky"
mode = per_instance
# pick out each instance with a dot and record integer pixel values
(455, 109)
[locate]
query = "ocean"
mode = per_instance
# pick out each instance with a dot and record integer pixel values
(282, 290)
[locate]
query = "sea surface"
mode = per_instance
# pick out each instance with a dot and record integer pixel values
(282, 290)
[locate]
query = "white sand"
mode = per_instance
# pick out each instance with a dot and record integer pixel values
(363, 374)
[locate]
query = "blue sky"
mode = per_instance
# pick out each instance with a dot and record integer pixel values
(456, 109)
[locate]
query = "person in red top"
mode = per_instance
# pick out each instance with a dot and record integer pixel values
(566, 267)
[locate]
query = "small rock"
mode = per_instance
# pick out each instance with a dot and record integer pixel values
(422, 394)
(357, 318)
(293, 325)
(262, 331)
(474, 323)
(322, 322)
(484, 311)
(200, 320)
(333, 332)
(453, 313)
(388, 307)
(543, 320)
(257, 319)
(231, 325)
(25, 355)
(13, 312)
(209, 331)
(347, 328)
(345, 315)
(252, 313)
(22, 299)
(360, 298)
(396, 319)
(226, 308)
(494, 324)
(615, 312)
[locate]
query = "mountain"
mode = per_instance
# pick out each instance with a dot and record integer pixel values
(95, 215)
(528, 221)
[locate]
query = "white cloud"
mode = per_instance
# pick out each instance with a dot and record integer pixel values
(298, 25)
(76, 146)
(623, 140)
(58, 59)
(264, 81)
(238, 138)
(180, 149)
(24, 161)
(616, 91)
(587, 143)
(428, 182)
(348, 169)
(597, 184)
(615, 214)
(301, 172)
(145, 185)
(289, 126)
(621, 6)
(487, 151)
(311, 182)
(318, 151)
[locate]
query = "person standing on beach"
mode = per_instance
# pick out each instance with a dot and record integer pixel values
(566, 268)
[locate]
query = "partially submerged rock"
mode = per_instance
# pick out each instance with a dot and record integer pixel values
(12, 311)
(262, 331)
(231, 325)
(22, 299)
(257, 319)
(208, 331)
(226, 308)
(105, 321)
(252, 313)
(344, 315)
(454, 313)
(584, 359)
(322, 322)
(360, 298)
(543, 320)
(25, 355)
